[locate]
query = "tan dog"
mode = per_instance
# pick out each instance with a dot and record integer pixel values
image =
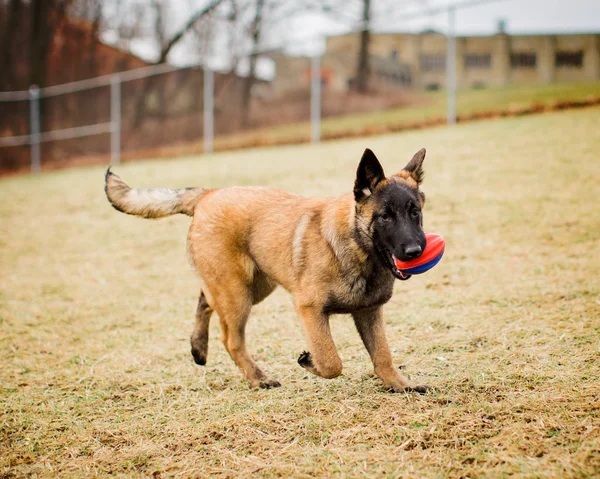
(335, 256)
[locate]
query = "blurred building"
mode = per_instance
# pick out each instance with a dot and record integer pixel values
(419, 60)
(76, 53)
(73, 52)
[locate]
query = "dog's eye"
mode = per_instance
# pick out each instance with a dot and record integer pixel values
(414, 213)
(386, 217)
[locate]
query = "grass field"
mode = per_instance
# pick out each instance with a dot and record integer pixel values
(432, 105)
(96, 309)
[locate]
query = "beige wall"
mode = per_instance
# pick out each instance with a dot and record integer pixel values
(291, 73)
(495, 74)
(543, 47)
(430, 44)
(342, 51)
(589, 45)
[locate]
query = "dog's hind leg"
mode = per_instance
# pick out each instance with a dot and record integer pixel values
(199, 339)
(233, 310)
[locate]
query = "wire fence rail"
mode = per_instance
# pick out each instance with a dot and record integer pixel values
(114, 82)
(112, 127)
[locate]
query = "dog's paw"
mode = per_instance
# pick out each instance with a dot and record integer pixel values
(305, 360)
(327, 371)
(269, 383)
(199, 358)
(419, 388)
(264, 383)
(413, 388)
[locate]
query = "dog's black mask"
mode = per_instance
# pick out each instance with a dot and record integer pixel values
(394, 207)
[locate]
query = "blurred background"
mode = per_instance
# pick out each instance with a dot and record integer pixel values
(99, 81)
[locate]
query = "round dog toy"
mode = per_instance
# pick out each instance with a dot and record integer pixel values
(434, 250)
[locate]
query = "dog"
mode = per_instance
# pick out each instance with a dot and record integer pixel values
(334, 256)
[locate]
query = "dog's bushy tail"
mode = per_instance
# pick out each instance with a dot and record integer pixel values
(150, 202)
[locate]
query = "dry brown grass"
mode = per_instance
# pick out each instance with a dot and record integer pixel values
(96, 308)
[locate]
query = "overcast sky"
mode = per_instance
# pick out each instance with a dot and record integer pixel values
(538, 16)
(521, 16)
(303, 34)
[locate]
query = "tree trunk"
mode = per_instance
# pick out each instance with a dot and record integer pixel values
(94, 37)
(40, 41)
(362, 73)
(46, 17)
(13, 21)
(149, 84)
(250, 79)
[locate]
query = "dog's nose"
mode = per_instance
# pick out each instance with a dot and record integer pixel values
(413, 251)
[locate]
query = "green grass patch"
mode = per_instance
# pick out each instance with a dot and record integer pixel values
(432, 105)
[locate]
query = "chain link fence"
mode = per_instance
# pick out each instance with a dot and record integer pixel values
(152, 111)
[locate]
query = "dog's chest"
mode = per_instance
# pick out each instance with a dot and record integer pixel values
(360, 293)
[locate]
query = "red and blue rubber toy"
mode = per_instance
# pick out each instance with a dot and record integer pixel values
(434, 250)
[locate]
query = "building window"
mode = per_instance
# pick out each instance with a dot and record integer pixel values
(478, 60)
(395, 78)
(431, 63)
(523, 60)
(569, 59)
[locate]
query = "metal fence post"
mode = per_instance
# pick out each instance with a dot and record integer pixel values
(451, 65)
(115, 119)
(315, 99)
(209, 110)
(34, 128)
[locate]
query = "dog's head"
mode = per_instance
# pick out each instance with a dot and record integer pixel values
(388, 210)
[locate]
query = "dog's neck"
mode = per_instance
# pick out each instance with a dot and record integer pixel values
(348, 240)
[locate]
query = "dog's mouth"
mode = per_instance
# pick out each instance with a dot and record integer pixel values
(390, 259)
(397, 273)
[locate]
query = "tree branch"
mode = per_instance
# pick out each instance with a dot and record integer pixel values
(166, 49)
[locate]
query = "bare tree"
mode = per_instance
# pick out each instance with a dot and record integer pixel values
(255, 34)
(168, 45)
(362, 70)
(260, 21)
(124, 21)
(12, 19)
(27, 31)
(46, 16)
(90, 11)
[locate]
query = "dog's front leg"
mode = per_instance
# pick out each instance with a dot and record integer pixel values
(370, 327)
(323, 359)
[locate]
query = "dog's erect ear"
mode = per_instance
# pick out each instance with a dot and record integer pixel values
(368, 175)
(414, 168)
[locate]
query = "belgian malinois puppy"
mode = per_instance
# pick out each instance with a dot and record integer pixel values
(334, 255)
